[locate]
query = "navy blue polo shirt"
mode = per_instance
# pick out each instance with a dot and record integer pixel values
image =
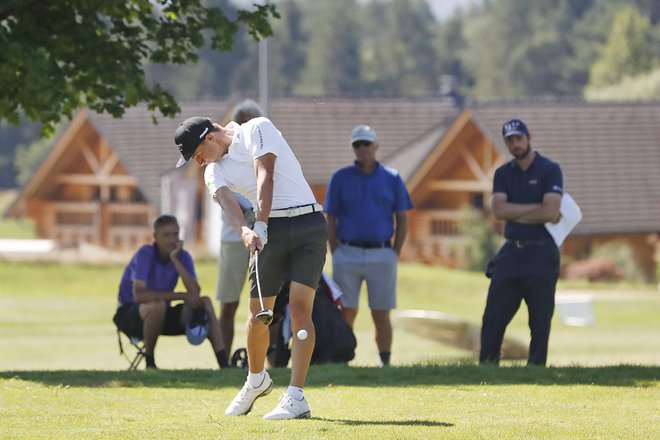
(543, 176)
(364, 204)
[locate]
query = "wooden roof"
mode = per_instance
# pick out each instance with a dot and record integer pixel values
(609, 153)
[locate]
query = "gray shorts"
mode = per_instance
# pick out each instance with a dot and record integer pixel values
(232, 270)
(378, 267)
(296, 250)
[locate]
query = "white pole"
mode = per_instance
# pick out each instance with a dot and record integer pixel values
(263, 75)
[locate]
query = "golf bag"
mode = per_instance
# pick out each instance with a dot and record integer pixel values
(335, 341)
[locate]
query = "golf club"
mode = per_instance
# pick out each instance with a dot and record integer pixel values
(265, 316)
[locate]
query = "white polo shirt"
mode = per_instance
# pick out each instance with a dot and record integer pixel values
(235, 169)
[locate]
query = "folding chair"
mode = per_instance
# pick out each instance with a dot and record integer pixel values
(139, 347)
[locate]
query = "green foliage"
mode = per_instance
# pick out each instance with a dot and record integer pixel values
(94, 52)
(628, 51)
(623, 257)
(333, 53)
(482, 240)
(638, 88)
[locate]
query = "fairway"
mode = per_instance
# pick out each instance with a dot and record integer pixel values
(61, 375)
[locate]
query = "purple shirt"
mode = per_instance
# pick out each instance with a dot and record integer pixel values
(159, 275)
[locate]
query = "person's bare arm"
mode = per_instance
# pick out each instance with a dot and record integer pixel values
(264, 167)
(227, 200)
(332, 233)
(401, 230)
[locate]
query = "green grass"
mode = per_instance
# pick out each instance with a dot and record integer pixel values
(61, 375)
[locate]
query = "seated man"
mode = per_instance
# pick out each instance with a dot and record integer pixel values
(147, 288)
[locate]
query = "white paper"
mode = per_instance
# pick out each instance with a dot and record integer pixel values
(570, 217)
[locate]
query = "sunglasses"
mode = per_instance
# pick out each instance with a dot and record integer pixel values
(359, 144)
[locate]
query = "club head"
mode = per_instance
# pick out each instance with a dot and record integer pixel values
(265, 316)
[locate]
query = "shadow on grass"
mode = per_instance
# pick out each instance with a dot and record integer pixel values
(343, 375)
(385, 422)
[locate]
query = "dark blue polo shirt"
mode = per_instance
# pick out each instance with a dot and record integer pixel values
(364, 204)
(542, 177)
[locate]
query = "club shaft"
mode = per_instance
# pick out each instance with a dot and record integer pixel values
(256, 271)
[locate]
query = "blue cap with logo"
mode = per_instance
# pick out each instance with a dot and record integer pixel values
(514, 127)
(197, 327)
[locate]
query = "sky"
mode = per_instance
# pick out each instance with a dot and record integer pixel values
(443, 9)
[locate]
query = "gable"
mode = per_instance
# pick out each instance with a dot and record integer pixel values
(609, 154)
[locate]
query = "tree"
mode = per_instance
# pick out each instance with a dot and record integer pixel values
(58, 56)
(399, 56)
(628, 51)
(287, 48)
(333, 52)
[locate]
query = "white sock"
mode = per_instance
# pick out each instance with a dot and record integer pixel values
(295, 392)
(256, 379)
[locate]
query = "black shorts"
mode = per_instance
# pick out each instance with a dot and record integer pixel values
(295, 251)
(128, 320)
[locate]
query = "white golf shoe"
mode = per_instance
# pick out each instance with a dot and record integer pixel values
(242, 403)
(289, 408)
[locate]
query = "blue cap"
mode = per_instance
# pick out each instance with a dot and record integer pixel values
(514, 127)
(197, 327)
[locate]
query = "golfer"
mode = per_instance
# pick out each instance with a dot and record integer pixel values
(289, 235)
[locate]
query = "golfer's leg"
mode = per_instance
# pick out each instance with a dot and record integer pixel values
(301, 301)
(257, 335)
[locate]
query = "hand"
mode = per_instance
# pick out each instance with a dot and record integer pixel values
(261, 229)
(192, 299)
(557, 219)
(175, 252)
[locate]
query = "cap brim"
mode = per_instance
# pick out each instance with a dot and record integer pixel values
(515, 133)
(181, 162)
(363, 138)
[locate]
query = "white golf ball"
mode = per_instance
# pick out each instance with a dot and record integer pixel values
(302, 334)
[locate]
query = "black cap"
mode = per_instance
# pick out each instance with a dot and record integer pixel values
(189, 135)
(514, 127)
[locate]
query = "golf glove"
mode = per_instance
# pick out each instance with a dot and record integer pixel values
(261, 228)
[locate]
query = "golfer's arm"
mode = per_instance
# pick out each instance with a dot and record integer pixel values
(264, 167)
(548, 211)
(401, 230)
(142, 294)
(227, 200)
(504, 210)
(332, 232)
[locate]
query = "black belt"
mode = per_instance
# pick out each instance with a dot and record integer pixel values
(367, 244)
(525, 243)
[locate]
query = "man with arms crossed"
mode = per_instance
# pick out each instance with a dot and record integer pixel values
(289, 235)
(527, 193)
